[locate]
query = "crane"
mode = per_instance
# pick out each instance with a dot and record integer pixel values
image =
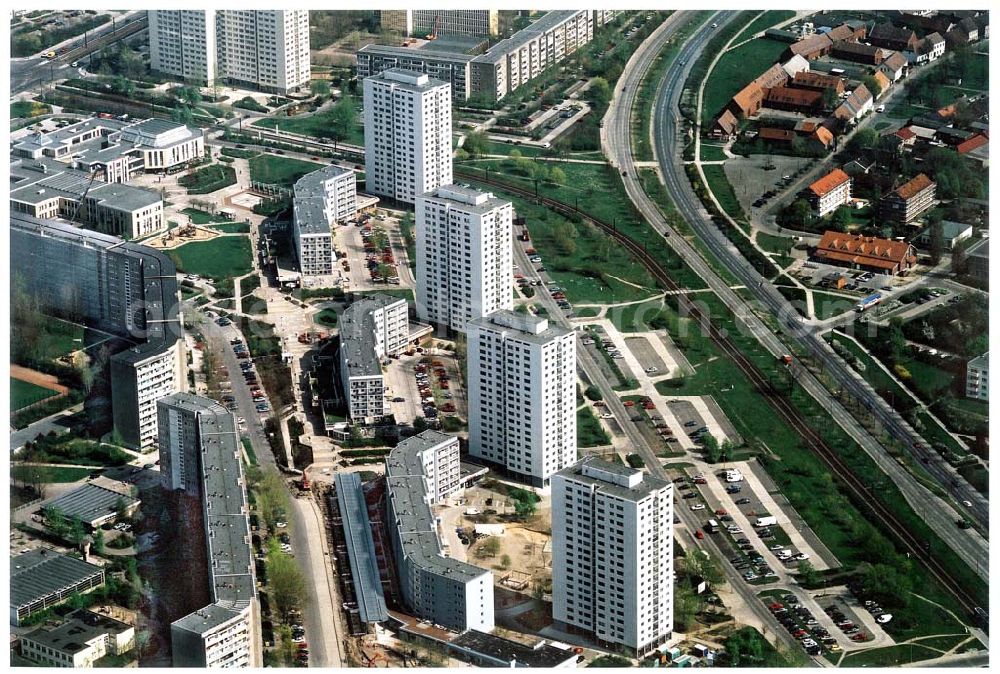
(437, 26)
(83, 197)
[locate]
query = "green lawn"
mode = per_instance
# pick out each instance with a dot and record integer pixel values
(327, 317)
(496, 147)
(889, 656)
(763, 22)
(275, 170)
(978, 74)
(209, 179)
(588, 312)
(28, 109)
(238, 153)
(827, 305)
(232, 227)
(711, 152)
(221, 258)
(589, 432)
(637, 317)
(736, 69)
(50, 474)
(311, 125)
(23, 393)
(715, 174)
(780, 245)
(57, 337)
(198, 216)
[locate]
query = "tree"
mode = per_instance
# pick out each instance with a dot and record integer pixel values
(686, 607)
(342, 118)
(56, 520)
(887, 584)
(122, 85)
(488, 548)
(99, 542)
(557, 176)
(841, 218)
(505, 561)
(121, 509)
(872, 85)
(807, 573)
(288, 586)
(182, 114)
(475, 143)
(959, 258)
(702, 564)
(937, 242)
(319, 88)
(797, 216)
(593, 393)
(76, 531)
(599, 92)
(830, 99)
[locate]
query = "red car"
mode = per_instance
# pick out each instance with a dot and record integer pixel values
(776, 606)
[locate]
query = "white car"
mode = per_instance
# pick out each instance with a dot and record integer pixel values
(801, 556)
(698, 506)
(607, 416)
(884, 618)
(652, 369)
(281, 525)
(967, 504)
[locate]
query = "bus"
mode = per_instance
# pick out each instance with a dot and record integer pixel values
(711, 526)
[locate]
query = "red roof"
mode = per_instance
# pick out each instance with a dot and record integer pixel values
(905, 133)
(768, 133)
(823, 135)
(914, 187)
(864, 250)
(829, 182)
(969, 145)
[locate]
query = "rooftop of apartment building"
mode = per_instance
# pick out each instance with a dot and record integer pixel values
(627, 483)
(310, 199)
(469, 198)
(546, 23)
(414, 520)
(532, 329)
(207, 618)
(409, 80)
(79, 627)
(356, 329)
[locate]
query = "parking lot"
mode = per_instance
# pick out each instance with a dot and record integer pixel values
(350, 239)
(751, 178)
(648, 356)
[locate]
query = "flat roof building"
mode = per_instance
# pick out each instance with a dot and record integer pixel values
(43, 578)
(434, 587)
(522, 395)
(121, 288)
(464, 255)
(201, 454)
(370, 329)
(360, 548)
(80, 640)
(93, 505)
(606, 516)
(977, 378)
(321, 198)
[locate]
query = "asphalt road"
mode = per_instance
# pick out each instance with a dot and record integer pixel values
(27, 74)
(666, 125)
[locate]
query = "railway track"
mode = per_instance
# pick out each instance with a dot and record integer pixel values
(892, 524)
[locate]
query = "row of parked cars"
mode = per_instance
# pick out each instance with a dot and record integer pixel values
(250, 376)
(802, 625)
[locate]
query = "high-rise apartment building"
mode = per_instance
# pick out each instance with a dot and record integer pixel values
(612, 543)
(423, 22)
(201, 454)
(261, 49)
(321, 198)
(182, 43)
(464, 255)
(120, 288)
(522, 394)
(407, 134)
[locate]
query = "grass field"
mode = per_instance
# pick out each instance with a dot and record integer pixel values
(51, 474)
(232, 227)
(209, 179)
(274, 170)
(635, 317)
(198, 216)
(889, 656)
(827, 305)
(58, 337)
(589, 432)
(763, 22)
(711, 152)
(715, 174)
(780, 245)
(221, 258)
(24, 393)
(327, 317)
(736, 69)
(311, 125)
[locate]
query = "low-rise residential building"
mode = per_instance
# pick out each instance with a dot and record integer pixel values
(725, 127)
(855, 106)
(869, 253)
(951, 233)
(420, 472)
(811, 47)
(201, 454)
(850, 31)
(977, 378)
(892, 37)
(421, 22)
(750, 98)
(909, 201)
(928, 50)
(80, 640)
(43, 578)
(894, 66)
(321, 198)
(859, 53)
(371, 328)
(817, 82)
(794, 100)
(830, 192)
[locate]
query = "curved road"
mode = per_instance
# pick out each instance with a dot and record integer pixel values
(971, 546)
